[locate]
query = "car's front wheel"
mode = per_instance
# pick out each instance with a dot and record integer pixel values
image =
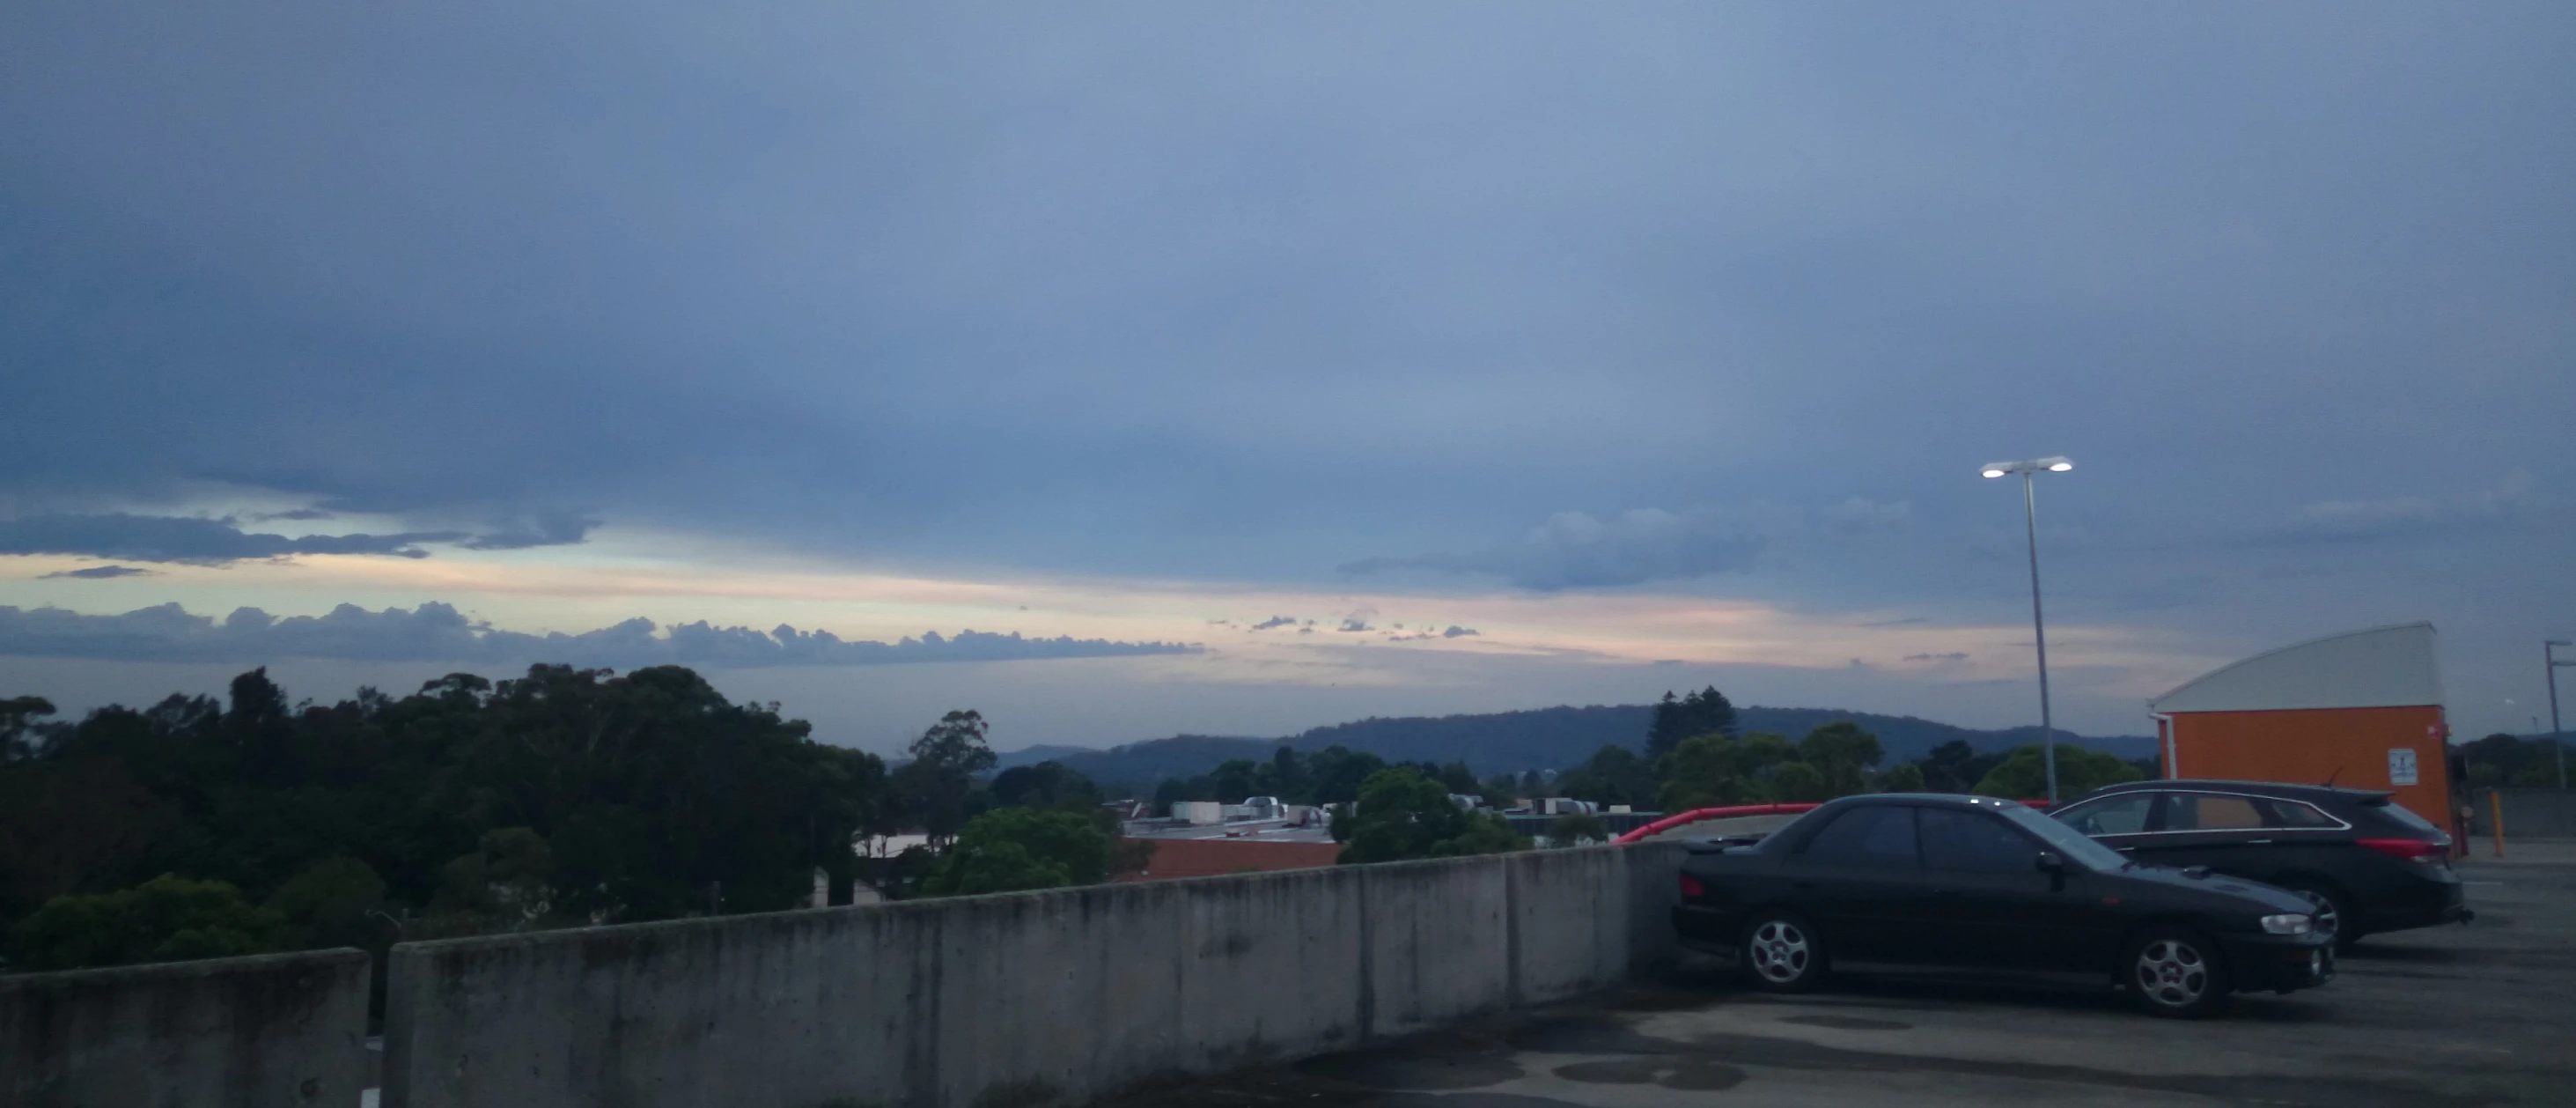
(2175, 972)
(2333, 916)
(1782, 952)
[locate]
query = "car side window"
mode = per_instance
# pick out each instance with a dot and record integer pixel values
(2125, 814)
(2297, 814)
(1974, 842)
(1880, 836)
(2211, 812)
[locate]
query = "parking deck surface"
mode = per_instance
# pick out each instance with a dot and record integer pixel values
(2451, 1017)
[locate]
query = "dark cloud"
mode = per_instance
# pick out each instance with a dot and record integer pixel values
(190, 539)
(1354, 625)
(99, 573)
(1952, 656)
(438, 632)
(1456, 631)
(546, 529)
(1572, 550)
(1275, 621)
(296, 514)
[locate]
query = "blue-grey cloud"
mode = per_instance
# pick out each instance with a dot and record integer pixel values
(1573, 550)
(98, 573)
(1275, 621)
(543, 529)
(2402, 516)
(190, 539)
(1454, 631)
(438, 632)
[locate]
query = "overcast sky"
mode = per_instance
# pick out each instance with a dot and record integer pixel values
(1653, 344)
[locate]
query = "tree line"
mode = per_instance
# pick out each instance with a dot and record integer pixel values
(198, 828)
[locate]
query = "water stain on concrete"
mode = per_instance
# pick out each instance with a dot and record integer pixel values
(1848, 1023)
(1588, 1033)
(1414, 1069)
(1690, 1074)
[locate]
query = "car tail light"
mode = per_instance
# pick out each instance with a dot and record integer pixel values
(2409, 850)
(1692, 889)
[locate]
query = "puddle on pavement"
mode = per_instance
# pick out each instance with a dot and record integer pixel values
(1690, 1074)
(1414, 1069)
(1848, 1023)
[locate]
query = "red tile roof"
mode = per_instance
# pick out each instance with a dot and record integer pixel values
(1208, 857)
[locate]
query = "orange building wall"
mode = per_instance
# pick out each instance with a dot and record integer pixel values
(2309, 746)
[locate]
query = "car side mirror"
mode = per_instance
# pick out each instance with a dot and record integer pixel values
(2051, 861)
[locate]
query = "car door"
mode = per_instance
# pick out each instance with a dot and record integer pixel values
(2123, 821)
(1991, 904)
(2224, 831)
(1860, 879)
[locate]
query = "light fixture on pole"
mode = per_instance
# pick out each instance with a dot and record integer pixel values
(2557, 738)
(2038, 625)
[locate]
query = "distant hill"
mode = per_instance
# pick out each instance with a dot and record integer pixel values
(1544, 738)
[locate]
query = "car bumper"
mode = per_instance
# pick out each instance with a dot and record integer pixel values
(2439, 902)
(1706, 930)
(2280, 963)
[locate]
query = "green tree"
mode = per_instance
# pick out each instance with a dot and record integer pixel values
(942, 772)
(1906, 777)
(1841, 753)
(1577, 827)
(1704, 712)
(1339, 771)
(328, 904)
(2023, 775)
(1048, 784)
(1009, 849)
(1402, 814)
(1235, 779)
(166, 919)
(1956, 767)
(1798, 781)
(1613, 775)
(18, 726)
(1711, 770)
(508, 879)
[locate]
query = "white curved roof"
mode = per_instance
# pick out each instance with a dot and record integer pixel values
(2383, 667)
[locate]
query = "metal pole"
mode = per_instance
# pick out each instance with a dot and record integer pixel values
(2039, 633)
(2557, 738)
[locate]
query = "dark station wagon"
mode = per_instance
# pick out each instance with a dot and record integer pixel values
(1982, 883)
(2370, 865)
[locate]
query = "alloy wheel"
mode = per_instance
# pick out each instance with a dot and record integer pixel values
(1780, 951)
(2172, 973)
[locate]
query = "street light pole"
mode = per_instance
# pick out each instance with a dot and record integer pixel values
(2557, 737)
(2038, 623)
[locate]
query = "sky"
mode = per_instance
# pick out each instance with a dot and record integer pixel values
(1237, 369)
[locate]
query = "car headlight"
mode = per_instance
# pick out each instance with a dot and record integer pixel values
(2289, 924)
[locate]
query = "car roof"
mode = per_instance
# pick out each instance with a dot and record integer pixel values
(1942, 800)
(2259, 788)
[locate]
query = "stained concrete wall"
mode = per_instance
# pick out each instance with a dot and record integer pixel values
(273, 1030)
(2542, 813)
(1020, 999)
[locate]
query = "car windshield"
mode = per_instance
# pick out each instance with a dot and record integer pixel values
(2066, 840)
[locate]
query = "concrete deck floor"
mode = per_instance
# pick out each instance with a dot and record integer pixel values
(2453, 1017)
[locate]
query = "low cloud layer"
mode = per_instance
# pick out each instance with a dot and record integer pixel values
(97, 573)
(190, 539)
(438, 632)
(199, 540)
(1573, 550)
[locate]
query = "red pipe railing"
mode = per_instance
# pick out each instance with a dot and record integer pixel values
(1696, 815)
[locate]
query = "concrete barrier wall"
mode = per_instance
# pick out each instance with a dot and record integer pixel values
(273, 1030)
(1020, 999)
(2528, 813)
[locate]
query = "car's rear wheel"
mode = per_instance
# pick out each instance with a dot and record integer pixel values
(2175, 972)
(1782, 952)
(2334, 915)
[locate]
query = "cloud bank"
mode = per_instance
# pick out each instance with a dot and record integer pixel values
(438, 632)
(1572, 550)
(198, 540)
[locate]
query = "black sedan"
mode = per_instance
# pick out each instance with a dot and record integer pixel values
(1975, 882)
(2369, 864)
